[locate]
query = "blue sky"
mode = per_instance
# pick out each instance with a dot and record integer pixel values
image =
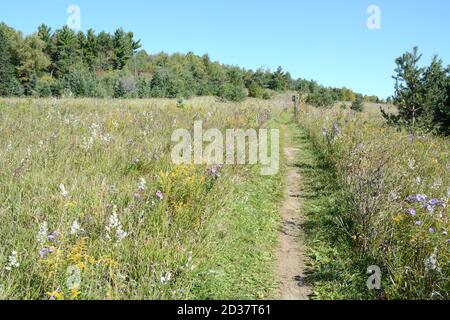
(325, 40)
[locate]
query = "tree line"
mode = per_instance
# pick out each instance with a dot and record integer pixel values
(66, 63)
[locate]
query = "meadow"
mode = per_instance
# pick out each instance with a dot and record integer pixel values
(384, 201)
(93, 208)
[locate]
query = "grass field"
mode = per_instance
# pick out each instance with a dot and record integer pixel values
(92, 206)
(88, 194)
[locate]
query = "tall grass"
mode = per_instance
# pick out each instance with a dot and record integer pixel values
(393, 203)
(87, 188)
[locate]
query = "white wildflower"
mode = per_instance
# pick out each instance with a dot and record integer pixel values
(114, 228)
(166, 278)
(12, 261)
(142, 185)
(76, 229)
(418, 181)
(431, 263)
(63, 190)
(43, 233)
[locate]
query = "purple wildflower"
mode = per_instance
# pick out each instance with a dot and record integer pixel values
(159, 195)
(45, 251)
(418, 223)
(336, 130)
(435, 202)
(52, 236)
(430, 208)
(432, 230)
(136, 196)
(215, 171)
(421, 198)
(412, 212)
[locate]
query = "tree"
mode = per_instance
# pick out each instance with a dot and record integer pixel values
(9, 86)
(421, 95)
(124, 48)
(408, 85)
(279, 81)
(358, 104)
(65, 52)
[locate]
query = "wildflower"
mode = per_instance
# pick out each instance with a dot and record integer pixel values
(136, 196)
(52, 236)
(336, 130)
(430, 208)
(76, 229)
(421, 198)
(45, 251)
(142, 185)
(215, 171)
(63, 190)
(166, 278)
(431, 263)
(55, 295)
(42, 234)
(114, 227)
(435, 202)
(159, 195)
(412, 212)
(12, 261)
(418, 223)
(432, 230)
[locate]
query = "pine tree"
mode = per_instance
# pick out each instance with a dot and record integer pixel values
(9, 86)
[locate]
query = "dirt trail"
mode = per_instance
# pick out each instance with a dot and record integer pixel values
(291, 260)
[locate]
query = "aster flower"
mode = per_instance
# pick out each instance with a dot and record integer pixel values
(336, 130)
(421, 198)
(13, 262)
(159, 195)
(45, 251)
(412, 212)
(52, 236)
(435, 202)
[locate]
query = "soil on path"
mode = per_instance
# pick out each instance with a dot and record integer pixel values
(291, 258)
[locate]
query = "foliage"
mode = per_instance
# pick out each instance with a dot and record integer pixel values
(358, 104)
(421, 94)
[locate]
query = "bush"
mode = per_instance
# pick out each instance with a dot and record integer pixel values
(232, 92)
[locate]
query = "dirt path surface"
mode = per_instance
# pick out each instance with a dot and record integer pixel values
(291, 260)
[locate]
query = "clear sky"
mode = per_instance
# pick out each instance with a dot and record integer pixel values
(325, 40)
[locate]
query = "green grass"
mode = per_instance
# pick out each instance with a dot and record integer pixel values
(241, 242)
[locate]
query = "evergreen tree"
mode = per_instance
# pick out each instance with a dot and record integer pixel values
(9, 86)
